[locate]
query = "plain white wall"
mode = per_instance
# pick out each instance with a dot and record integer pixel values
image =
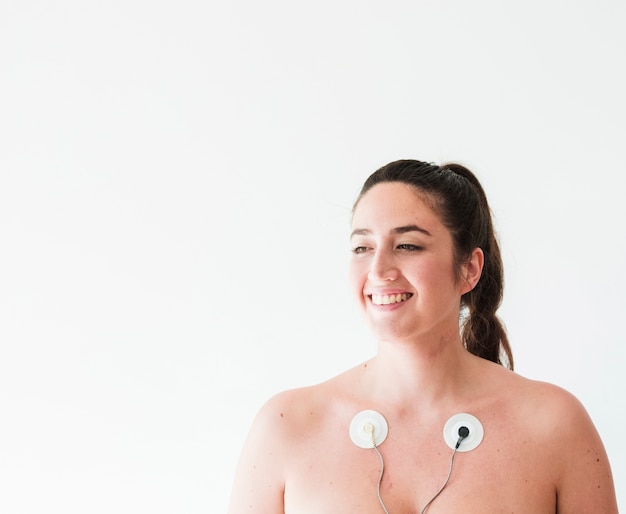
(175, 187)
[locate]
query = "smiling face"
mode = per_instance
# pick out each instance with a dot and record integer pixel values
(402, 268)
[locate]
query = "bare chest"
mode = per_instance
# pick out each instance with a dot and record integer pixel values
(504, 474)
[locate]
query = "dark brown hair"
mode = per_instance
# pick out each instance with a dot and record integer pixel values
(456, 195)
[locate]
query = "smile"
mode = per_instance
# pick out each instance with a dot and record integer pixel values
(387, 299)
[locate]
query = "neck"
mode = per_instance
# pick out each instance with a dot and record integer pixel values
(404, 373)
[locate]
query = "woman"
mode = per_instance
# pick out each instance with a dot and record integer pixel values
(377, 437)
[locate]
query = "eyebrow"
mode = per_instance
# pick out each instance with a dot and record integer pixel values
(398, 230)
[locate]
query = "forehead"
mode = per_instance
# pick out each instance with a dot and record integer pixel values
(393, 204)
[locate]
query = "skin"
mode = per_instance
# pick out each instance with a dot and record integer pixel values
(540, 452)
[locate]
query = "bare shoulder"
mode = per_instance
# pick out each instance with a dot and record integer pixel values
(560, 427)
(548, 413)
(286, 415)
(259, 481)
(280, 430)
(548, 403)
(556, 413)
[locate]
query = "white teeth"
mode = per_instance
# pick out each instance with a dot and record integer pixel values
(386, 299)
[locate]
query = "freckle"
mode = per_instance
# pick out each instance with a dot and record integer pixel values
(282, 415)
(365, 365)
(597, 460)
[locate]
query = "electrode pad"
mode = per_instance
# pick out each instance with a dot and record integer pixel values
(366, 425)
(451, 432)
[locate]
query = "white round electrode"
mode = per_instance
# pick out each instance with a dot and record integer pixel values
(451, 432)
(365, 425)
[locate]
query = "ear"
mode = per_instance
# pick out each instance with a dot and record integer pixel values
(471, 270)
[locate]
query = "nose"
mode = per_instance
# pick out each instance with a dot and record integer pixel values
(383, 267)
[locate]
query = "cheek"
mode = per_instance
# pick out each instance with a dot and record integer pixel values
(437, 277)
(357, 276)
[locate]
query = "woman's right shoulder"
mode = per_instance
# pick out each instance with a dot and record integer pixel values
(282, 427)
(302, 408)
(272, 440)
(291, 410)
(292, 414)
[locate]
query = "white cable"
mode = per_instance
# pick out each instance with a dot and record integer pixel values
(382, 470)
(380, 479)
(444, 484)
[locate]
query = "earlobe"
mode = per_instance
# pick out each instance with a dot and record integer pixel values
(472, 270)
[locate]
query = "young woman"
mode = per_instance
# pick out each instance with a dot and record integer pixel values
(437, 421)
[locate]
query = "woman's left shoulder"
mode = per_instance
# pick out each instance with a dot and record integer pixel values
(559, 424)
(553, 409)
(547, 403)
(554, 403)
(562, 423)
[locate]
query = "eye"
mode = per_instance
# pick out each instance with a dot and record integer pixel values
(410, 247)
(359, 249)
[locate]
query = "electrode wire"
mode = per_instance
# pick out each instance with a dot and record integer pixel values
(444, 484)
(380, 478)
(382, 470)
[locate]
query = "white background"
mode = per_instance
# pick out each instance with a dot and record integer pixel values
(176, 181)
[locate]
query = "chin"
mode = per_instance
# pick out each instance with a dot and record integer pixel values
(389, 333)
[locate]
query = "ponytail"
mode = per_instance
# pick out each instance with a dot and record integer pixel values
(483, 333)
